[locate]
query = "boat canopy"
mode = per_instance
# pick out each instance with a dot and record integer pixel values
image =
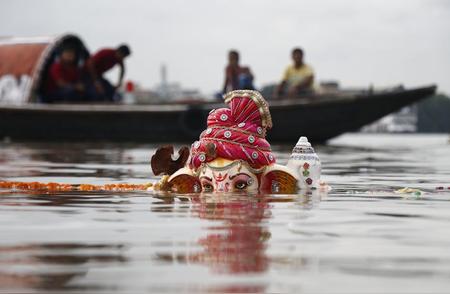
(25, 62)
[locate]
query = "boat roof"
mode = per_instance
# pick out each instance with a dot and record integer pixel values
(27, 59)
(10, 40)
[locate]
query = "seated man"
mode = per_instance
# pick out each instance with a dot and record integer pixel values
(237, 77)
(298, 78)
(64, 79)
(101, 62)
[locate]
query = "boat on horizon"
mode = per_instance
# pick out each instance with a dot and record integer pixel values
(25, 61)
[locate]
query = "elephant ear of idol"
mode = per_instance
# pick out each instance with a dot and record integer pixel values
(162, 161)
(278, 180)
(184, 182)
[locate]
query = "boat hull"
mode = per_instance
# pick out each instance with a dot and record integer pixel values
(319, 119)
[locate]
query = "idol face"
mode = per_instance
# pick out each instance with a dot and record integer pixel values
(226, 176)
(233, 176)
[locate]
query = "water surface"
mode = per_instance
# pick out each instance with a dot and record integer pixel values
(361, 237)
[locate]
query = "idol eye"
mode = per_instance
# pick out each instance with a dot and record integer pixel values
(206, 187)
(240, 185)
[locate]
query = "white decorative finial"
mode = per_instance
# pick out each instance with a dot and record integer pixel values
(303, 141)
(305, 162)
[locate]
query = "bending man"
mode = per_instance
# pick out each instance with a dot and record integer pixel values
(101, 62)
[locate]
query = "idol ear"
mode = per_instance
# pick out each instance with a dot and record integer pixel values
(278, 179)
(184, 182)
(162, 161)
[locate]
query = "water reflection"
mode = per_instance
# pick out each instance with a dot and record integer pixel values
(64, 199)
(66, 152)
(101, 160)
(52, 266)
(236, 242)
(236, 239)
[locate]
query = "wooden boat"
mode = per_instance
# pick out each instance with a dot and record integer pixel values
(320, 117)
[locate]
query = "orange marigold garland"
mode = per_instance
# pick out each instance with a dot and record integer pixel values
(56, 187)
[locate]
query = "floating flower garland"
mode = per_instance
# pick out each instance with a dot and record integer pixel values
(56, 187)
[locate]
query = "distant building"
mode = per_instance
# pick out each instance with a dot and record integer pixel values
(170, 92)
(403, 121)
(165, 92)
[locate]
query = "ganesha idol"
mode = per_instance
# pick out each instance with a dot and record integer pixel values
(233, 155)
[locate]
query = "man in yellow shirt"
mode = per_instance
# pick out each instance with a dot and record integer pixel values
(298, 78)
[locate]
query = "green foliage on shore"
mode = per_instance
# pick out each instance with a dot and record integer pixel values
(433, 114)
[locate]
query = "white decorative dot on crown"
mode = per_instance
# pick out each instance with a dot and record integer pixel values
(241, 125)
(270, 157)
(251, 139)
(202, 157)
(196, 144)
(208, 131)
(259, 130)
(254, 155)
(223, 117)
(227, 134)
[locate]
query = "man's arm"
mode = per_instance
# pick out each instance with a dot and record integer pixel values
(91, 69)
(93, 73)
(282, 85)
(121, 74)
(225, 83)
(60, 83)
(305, 83)
(247, 71)
(279, 89)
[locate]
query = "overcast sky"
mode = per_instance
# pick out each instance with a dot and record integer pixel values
(356, 42)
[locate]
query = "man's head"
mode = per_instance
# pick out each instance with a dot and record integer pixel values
(68, 55)
(123, 51)
(233, 57)
(297, 56)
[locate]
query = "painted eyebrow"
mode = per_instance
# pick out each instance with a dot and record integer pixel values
(207, 178)
(233, 176)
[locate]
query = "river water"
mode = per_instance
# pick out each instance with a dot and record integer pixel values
(361, 237)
